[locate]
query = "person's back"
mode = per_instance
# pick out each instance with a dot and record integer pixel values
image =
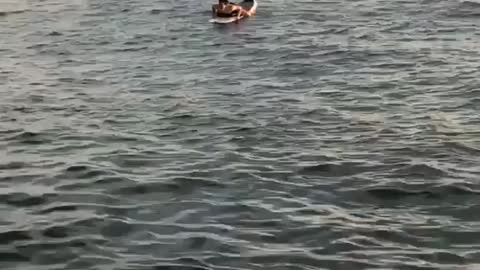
(226, 9)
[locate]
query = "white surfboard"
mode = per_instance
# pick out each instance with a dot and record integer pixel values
(224, 20)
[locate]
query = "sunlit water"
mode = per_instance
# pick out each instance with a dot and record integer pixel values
(316, 135)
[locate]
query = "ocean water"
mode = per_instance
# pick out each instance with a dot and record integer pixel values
(136, 135)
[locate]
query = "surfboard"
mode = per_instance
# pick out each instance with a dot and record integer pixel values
(250, 6)
(224, 20)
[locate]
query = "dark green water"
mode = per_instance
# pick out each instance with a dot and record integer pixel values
(316, 135)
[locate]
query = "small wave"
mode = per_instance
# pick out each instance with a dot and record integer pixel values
(419, 170)
(181, 184)
(13, 166)
(77, 168)
(334, 170)
(462, 147)
(116, 228)
(111, 180)
(455, 189)
(57, 250)
(55, 34)
(156, 11)
(131, 49)
(474, 3)
(24, 109)
(13, 257)
(465, 9)
(307, 259)
(6, 13)
(13, 236)
(85, 172)
(433, 192)
(90, 261)
(28, 137)
(56, 232)
(395, 193)
(173, 266)
(62, 208)
(23, 199)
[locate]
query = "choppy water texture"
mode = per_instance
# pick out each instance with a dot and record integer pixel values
(316, 135)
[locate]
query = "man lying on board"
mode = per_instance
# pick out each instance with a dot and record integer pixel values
(224, 8)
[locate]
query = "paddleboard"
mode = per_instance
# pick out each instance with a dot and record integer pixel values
(250, 6)
(224, 20)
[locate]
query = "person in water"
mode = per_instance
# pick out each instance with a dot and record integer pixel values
(224, 8)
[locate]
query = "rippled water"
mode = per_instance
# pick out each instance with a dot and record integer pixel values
(316, 135)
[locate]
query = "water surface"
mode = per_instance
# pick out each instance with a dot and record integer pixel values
(315, 135)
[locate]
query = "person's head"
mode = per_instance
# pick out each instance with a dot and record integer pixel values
(222, 2)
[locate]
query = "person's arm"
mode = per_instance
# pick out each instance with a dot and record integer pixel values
(242, 12)
(238, 11)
